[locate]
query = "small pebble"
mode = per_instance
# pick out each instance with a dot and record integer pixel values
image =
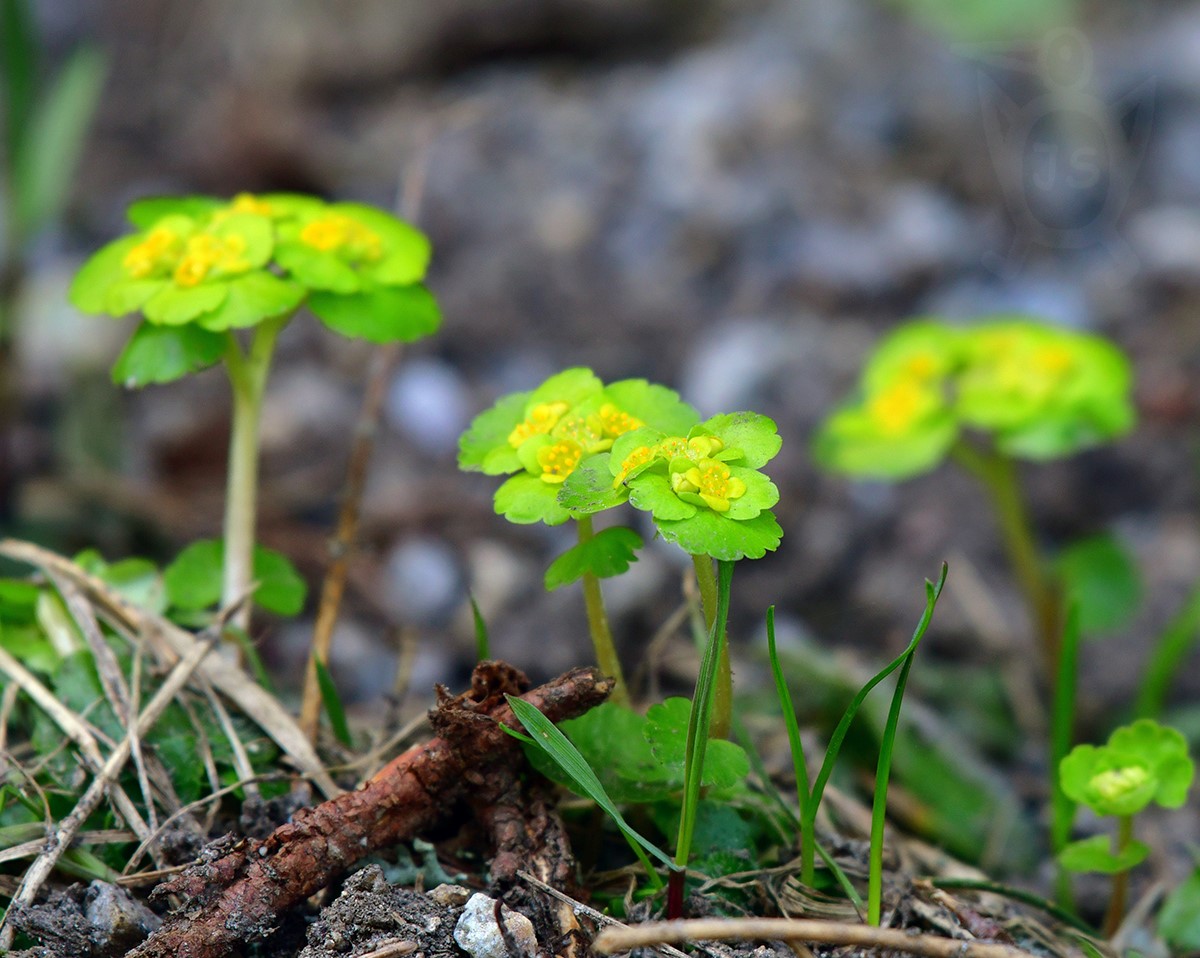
(478, 934)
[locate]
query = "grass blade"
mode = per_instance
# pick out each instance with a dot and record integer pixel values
(884, 769)
(333, 704)
(483, 649)
(545, 735)
(1177, 639)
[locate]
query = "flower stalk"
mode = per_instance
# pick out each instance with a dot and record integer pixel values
(598, 627)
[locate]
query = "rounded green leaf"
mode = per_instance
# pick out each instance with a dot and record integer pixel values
(1095, 855)
(173, 305)
(161, 354)
(146, 212)
(384, 314)
(725, 763)
(651, 492)
(589, 488)
(194, 580)
(924, 350)
(656, 406)
(100, 272)
(1165, 752)
(255, 231)
(484, 447)
(251, 298)
(608, 553)
(851, 443)
(761, 493)
(754, 434)
(709, 533)
(131, 295)
(571, 386)
(315, 269)
(525, 499)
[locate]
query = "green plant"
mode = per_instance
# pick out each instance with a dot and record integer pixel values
(987, 395)
(203, 273)
(539, 439)
(1141, 763)
(809, 797)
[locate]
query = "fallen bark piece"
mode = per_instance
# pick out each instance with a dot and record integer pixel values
(236, 892)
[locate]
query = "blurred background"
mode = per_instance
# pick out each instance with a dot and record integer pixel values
(733, 197)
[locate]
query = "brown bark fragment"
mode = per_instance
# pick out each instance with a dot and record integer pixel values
(235, 894)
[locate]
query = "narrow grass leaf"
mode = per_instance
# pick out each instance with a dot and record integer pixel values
(701, 716)
(333, 704)
(884, 768)
(1166, 659)
(799, 765)
(483, 648)
(546, 736)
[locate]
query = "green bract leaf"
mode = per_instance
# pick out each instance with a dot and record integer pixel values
(709, 533)
(525, 499)
(725, 764)
(92, 285)
(656, 406)
(173, 305)
(606, 554)
(193, 580)
(925, 351)
(251, 299)
(1141, 763)
(146, 213)
(1099, 574)
(749, 432)
(589, 489)
(382, 314)
(161, 354)
(652, 493)
(862, 440)
(485, 446)
(1095, 855)
(313, 269)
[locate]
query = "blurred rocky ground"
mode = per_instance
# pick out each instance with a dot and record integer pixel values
(733, 197)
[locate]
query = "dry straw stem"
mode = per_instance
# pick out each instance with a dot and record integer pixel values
(75, 729)
(613, 940)
(69, 827)
(229, 679)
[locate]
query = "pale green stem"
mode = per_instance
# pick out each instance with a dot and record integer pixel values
(997, 473)
(248, 378)
(722, 711)
(1120, 888)
(602, 640)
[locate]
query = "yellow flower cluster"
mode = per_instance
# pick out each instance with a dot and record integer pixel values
(336, 232)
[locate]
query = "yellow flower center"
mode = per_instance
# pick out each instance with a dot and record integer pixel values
(639, 456)
(540, 420)
(341, 234)
(559, 459)
(206, 253)
(710, 479)
(1118, 782)
(1053, 361)
(249, 203)
(154, 252)
(616, 422)
(921, 366)
(585, 430)
(898, 407)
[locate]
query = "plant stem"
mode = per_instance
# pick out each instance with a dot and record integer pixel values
(1062, 733)
(602, 640)
(997, 473)
(1120, 888)
(722, 713)
(248, 378)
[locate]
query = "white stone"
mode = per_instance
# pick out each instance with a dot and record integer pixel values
(478, 934)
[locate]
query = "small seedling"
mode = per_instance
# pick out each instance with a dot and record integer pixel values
(1141, 763)
(200, 271)
(985, 396)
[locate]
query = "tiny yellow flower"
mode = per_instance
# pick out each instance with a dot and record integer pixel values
(541, 419)
(559, 459)
(639, 456)
(338, 233)
(898, 407)
(709, 479)
(616, 422)
(160, 247)
(1117, 782)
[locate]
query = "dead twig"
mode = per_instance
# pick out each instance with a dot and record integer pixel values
(229, 679)
(67, 829)
(238, 889)
(613, 940)
(383, 363)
